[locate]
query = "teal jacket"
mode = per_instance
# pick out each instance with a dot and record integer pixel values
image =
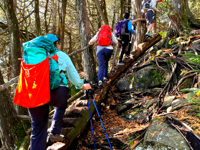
(65, 64)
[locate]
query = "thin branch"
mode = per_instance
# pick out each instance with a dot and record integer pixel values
(158, 65)
(80, 50)
(26, 17)
(9, 83)
(183, 80)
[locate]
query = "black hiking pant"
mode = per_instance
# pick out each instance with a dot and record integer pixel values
(40, 117)
(124, 43)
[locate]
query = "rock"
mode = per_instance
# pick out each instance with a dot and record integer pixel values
(168, 100)
(160, 136)
(144, 79)
(179, 102)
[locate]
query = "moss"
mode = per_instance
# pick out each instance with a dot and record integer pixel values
(19, 133)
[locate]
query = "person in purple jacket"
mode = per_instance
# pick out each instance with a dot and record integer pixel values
(125, 40)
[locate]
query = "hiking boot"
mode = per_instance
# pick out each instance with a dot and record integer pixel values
(148, 34)
(51, 138)
(105, 79)
(120, 63)
(99, 83)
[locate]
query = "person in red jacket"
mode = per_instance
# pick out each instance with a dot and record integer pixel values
(105, 39)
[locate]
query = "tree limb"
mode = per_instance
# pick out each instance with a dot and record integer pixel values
(7, 84)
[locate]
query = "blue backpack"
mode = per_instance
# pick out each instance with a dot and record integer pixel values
(37, 50)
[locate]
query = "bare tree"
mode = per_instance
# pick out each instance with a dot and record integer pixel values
(84, 32)
(15, 45)
(37, 18)
(64, 3)
(105, 19)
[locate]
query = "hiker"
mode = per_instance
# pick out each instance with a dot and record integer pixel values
(58, 99)
(105, 39)
(125, 39)
(150, 15)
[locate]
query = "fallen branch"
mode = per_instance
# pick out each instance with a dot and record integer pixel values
(183, 80)
(80, 50)
(9, 83)
(159, 65)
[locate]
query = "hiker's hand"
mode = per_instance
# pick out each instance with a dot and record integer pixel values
(159, 11)
(86, 86)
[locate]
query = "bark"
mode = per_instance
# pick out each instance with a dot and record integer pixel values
(181, 7)
(15, 45)
(14, 36)
(113, 20)
(84, 32)
(37, 18)
(177, 22)
(64, 4)
(141, 26)
(11, 128)
(54, 17)
(122, 9)
(101, 12)
(45, 16)
(103, 6)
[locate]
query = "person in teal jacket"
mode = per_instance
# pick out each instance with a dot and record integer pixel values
(58, 99)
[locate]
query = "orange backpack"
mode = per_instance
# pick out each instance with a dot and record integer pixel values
(104, 36)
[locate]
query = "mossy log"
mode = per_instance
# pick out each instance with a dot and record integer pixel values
(78, 115)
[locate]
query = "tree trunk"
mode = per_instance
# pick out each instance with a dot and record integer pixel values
(14, 43)
(181, 7)
(101, 12)
(37, 18)
(11, 128)
(139, 34)
(54, 17)
(14, 36)
(64, 3)
(122, 9)
(113, 20)
(103, 6)
(84, 32)
(45, 16)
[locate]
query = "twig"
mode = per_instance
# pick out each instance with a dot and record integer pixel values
(158, 64)
(193, 49)
(182, 81)
(137, 144)
(185, 63)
